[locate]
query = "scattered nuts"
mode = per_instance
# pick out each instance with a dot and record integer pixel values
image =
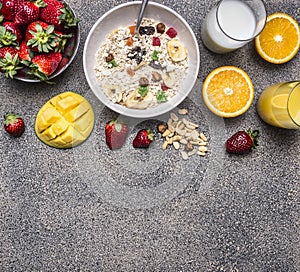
(203, 137)
(183, 141)
(184, 155)
(201, 153)
(165, 144)
(166, 133)
(162, 128)
(188, 146)
(176, 145)
(183, 111)
(202, 148)
(182, 134)
(176, 138)
(174, 117)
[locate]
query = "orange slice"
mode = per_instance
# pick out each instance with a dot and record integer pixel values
(228, 91)
(280, 39)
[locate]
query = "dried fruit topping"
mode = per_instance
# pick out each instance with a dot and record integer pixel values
(171, 32)
(109, 57)
(136, 53)
(156, 41)
(160, 28)
(147, 30)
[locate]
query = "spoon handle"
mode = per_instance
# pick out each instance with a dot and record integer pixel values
(141, 14)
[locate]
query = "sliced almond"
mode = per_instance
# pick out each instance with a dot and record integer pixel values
(183, 111)
(176, 145)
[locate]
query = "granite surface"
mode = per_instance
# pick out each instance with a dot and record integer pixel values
(90, 209)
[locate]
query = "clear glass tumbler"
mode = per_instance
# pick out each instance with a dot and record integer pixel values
(279, 105)
(233, 23)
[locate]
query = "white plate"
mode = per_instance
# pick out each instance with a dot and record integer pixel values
(124, 15)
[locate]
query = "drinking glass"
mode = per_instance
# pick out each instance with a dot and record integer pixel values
(233, 23)
(279, 105)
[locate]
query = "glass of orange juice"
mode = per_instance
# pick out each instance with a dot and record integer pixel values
(279, 105)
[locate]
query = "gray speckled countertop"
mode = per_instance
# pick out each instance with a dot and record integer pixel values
(89, 209)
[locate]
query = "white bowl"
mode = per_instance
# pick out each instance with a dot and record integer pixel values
(124, 15)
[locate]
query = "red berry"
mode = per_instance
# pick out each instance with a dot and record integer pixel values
(143, 139)
(14, 124)
(164, 87)
(115, 134)
(156, 41)
(171, 32)
(242, 142)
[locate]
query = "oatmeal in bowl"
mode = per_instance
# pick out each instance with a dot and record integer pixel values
(145, 74)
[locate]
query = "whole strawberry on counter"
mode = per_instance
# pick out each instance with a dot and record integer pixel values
(242, 142)
(115, 134)
(143, 139)
(14, 124)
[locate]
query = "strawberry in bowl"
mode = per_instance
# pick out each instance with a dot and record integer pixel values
(38, 39)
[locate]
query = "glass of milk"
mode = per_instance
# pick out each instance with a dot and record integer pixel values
(233, 23)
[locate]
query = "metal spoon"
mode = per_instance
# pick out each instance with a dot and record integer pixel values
(140, 17)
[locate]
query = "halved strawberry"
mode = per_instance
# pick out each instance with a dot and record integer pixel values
(44, 65)
(9, 61)
(58, 14)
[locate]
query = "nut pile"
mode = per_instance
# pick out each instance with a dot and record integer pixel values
(183, 135)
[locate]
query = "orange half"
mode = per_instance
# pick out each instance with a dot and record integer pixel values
(228, 91)
(280, 39)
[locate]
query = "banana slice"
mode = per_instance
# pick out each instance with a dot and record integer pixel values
(176, 50)
(136, 101)
(169, 79)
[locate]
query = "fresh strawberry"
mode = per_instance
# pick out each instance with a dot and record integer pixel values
(242, 142)
(58, 14)
(171, 32)
(143, 138)
(61, 40)
(44, 65)
(28, 12)
(9, 8)
(10, 34)
(40, 37)
(24, 52)
(9, 61)
(14, 124)
(115, 134)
